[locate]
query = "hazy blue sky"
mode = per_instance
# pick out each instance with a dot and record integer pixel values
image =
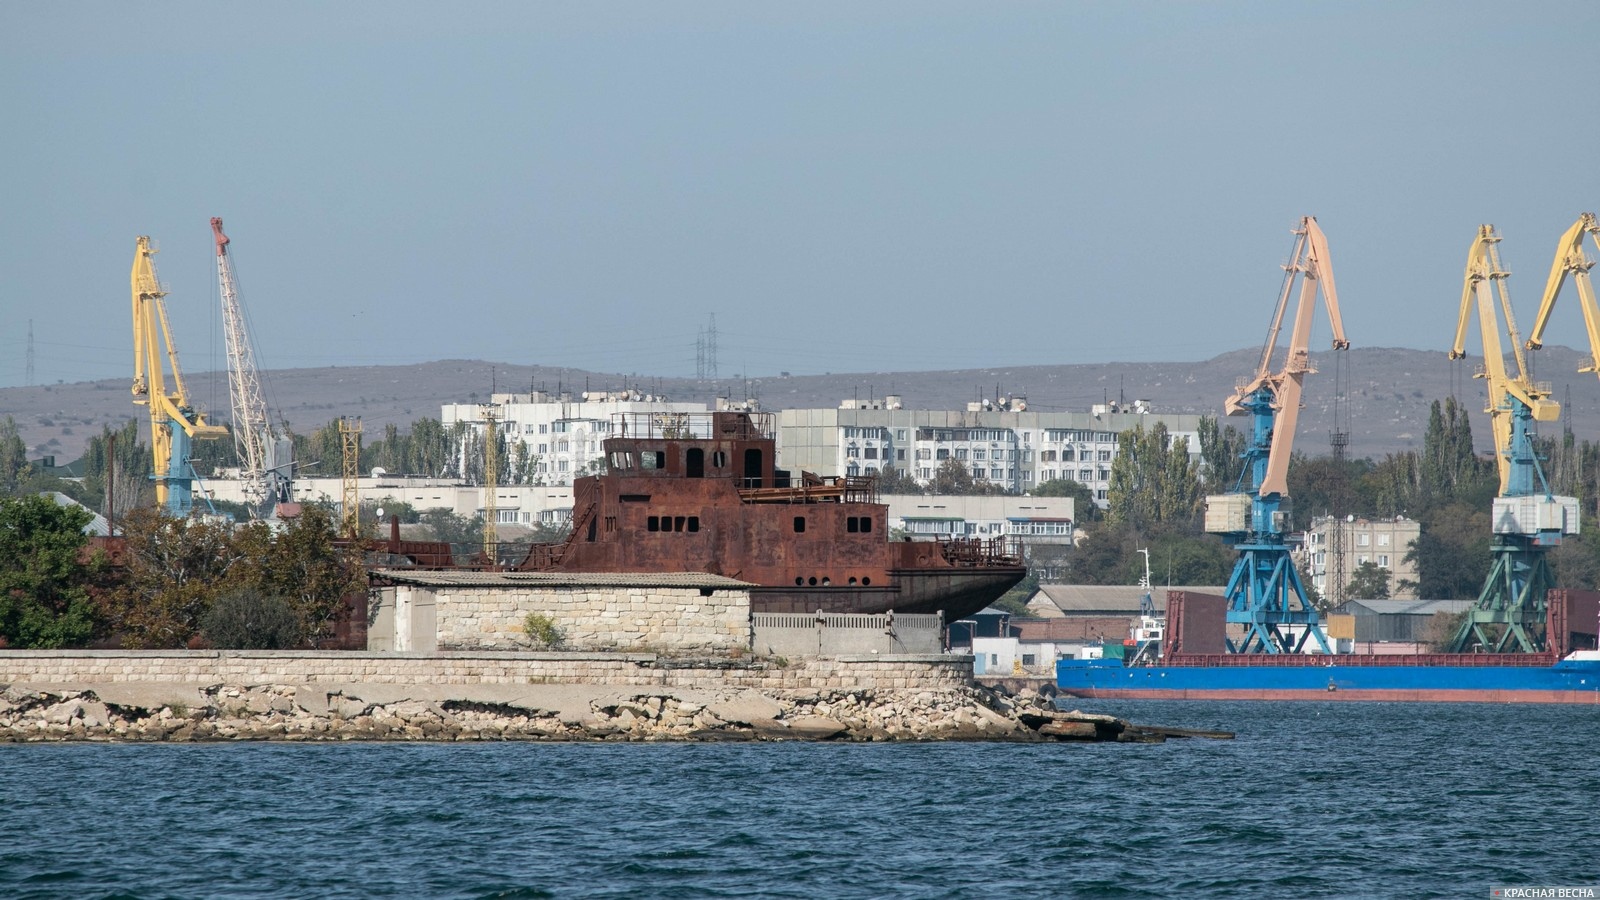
(847, 186)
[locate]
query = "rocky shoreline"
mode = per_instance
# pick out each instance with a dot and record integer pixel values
(193, 713)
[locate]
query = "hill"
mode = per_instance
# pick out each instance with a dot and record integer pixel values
(1389, 391)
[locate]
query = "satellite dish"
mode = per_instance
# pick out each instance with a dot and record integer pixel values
(380, 514)
(379, 472)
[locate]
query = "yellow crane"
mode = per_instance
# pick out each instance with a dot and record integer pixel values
(1527, 520)
(1570, 260)
(174, 422)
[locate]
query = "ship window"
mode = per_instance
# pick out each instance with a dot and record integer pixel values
(634, 498)
(799, 524)
(621, 459)
(652, 459)
(694, 463)
(652, 524)
(679, 523)
(694, 523)
(858, 524)
(719, 459)
(850, 524)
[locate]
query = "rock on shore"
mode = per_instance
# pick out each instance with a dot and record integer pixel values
(387, 712)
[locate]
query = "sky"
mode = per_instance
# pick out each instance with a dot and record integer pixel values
(845, 187)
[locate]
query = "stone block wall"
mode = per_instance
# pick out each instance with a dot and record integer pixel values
(592, 617)
(291, 667)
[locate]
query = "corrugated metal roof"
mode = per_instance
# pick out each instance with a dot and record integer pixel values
(1408, 607)
(1077, 599)
(442, 578)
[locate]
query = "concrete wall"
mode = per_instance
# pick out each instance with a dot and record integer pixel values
(424, 618)
(290, 667)
(833, 634)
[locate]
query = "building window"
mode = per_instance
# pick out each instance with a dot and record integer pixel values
(1028, 659)
(942, 453)
(900, 434)
(1105, 456)
(1363, 540)
(852, 451)
(1383, 560)
(872, 453)
(961, 453)
(926, 472)
(900, 455)
(976, 454)
(1383, 540)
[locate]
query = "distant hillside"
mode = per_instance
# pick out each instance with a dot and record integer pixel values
(1387, 408)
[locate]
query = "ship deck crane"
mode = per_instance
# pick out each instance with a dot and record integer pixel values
(266, 459)
(174, 422)
(1265, 594)
(1509, 615)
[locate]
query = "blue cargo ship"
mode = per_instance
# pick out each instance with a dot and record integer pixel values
(1499, 678)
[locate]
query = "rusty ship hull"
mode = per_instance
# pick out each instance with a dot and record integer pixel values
(702, 493)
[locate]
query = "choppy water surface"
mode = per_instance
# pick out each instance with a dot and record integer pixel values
(1311, 800)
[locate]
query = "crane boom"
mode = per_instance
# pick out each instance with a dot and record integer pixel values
(173, 420)
(261, 475)
(1513, 398)
(1570, 260)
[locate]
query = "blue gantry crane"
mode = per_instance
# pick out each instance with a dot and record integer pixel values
(1265, 594)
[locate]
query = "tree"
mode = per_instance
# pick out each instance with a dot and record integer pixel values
(1221, 454)
(173, 571)
(951, 478)
(44, 598)
(1153, 482)
(13, 458)
(302, 564)
(1369, 581)
(1452, 553)
(1084, 507)
(893, 481)
(247, 619)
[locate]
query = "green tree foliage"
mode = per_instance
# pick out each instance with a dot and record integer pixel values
(1153, 482)
(247, 619)
(117, 460)
(44, 581)
(952, 478)
(174, 569)
(177, 570)
(1221, 455)
(894, 481)
(1452, 553)
(1084, 509)
(14, 469)
(1324, 486)
(1369, 581)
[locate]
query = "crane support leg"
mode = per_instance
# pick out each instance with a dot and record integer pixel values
(1509, 616)
(1265, 595)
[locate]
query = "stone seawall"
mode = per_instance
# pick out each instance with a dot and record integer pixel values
(241, 695)
(292, 667)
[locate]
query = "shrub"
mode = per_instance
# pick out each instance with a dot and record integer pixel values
(246, 619)
(542, 631)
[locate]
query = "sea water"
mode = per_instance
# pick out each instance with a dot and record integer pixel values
(1310, 800)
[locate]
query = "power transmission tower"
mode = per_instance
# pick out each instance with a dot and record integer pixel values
(711, 348)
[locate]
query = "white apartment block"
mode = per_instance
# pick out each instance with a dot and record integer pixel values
(1382, 541)
(1000, 443)
(515, 504)
(1033, 520)
(562, 436)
